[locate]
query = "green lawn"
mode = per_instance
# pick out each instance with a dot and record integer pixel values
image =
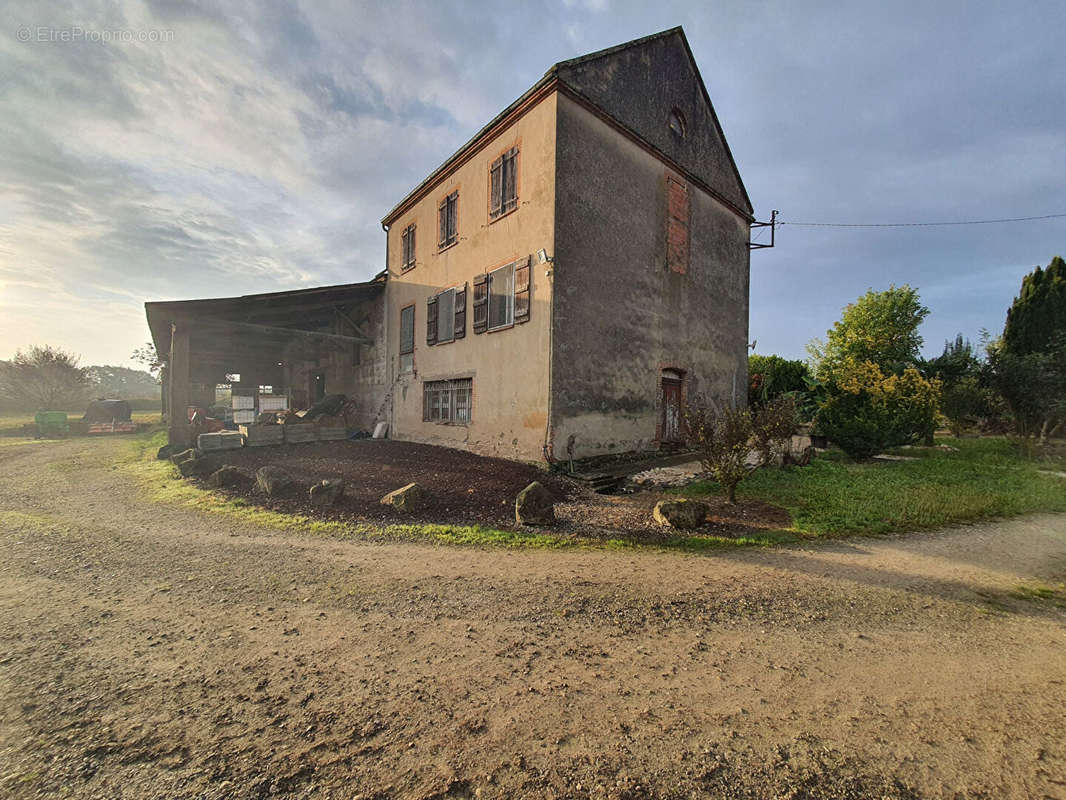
(835, 496)
(12, 423)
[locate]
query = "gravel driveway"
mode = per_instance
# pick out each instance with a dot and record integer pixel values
(151, 651)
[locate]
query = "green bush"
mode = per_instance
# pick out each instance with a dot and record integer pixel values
(770, 377)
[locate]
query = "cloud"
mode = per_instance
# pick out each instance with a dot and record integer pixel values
(258, 146)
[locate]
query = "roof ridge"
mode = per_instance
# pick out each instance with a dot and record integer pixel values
(570, 62)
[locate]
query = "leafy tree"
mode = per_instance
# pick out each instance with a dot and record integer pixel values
(772, 376)
(1033, 385)
(879, 327)
(146, 354)
(959, 360)
(961, 401)
(867, 411)
(737, 441)
(1038, 312)
(43, 378)
(122, 382)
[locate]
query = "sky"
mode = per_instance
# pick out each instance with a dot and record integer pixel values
(162, 150)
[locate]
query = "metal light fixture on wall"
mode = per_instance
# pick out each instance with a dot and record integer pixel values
(544, 258)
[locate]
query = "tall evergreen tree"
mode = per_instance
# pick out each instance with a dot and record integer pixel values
(1038, 312)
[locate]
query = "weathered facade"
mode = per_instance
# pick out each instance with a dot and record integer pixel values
(567, 279)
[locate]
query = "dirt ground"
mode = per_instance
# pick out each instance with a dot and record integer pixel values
(466, 489)
(152, 651)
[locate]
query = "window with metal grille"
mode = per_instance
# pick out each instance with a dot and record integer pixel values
(449, 219)
(448, 401)
(503, 184)
(408, 239)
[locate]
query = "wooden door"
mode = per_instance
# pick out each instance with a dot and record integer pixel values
(671, 429)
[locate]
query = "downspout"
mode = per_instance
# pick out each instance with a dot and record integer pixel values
(390, 375)
(547, 449)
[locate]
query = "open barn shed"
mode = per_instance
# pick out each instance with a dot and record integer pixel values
(294, 347)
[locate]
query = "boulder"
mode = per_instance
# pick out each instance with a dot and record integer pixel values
(163, 453)
(534, 506)
(185, 455)
(272, 481)
(228, 475)
(191, 467)
(410, 498)
(800, 451)
(680, 513)
(327, 492)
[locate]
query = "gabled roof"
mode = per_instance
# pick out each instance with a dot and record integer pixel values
(593, 78)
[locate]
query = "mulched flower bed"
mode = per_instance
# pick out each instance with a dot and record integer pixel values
(468, 489)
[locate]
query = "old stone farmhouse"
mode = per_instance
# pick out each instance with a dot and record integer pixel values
(557, 287)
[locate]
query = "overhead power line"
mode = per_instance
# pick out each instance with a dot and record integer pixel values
(915, 224)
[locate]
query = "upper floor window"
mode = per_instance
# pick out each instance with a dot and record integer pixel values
(503, 184)
(408, 239)
(449, 220)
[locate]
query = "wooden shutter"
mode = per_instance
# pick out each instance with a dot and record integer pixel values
(481, 303)
(510, 179)
(431, 320)
(496, 188)
(521, 290)
(410, 247)
(443, 217)
(460, 312)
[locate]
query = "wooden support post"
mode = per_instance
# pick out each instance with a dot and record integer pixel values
(179, 432)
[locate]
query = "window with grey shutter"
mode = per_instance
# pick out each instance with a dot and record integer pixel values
(501, 297)
(503, 184)
(481, 303)
(431, 321)
(446, 316)
(460, 312)
(448, 212)
(407, 330)
(521, 290)
(408, 260)
(495, 188)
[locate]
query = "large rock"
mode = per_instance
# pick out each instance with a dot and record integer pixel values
(534, 506)
(680, 513)
(272, 481)
(188, 454)
(800, 451)
(410, 498)
(327, 492)
(228, 475)
(163, 453)
(191, 467)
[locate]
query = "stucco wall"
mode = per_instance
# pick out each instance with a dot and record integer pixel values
(621, 315)
(509, 367)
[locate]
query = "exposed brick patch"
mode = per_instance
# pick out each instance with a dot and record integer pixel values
(677, 218)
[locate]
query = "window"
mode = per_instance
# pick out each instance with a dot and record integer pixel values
(408, 261)
(503, 184)
(677, 123)
(501, 297)
(407, 338)
(448, 401)
(449, 220)
(446, 316)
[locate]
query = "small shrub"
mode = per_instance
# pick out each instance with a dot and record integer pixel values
(866, 411)
(725, 439)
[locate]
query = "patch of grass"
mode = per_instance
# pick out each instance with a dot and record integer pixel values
(11, 424)
(985, 478)
(1038, 591)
